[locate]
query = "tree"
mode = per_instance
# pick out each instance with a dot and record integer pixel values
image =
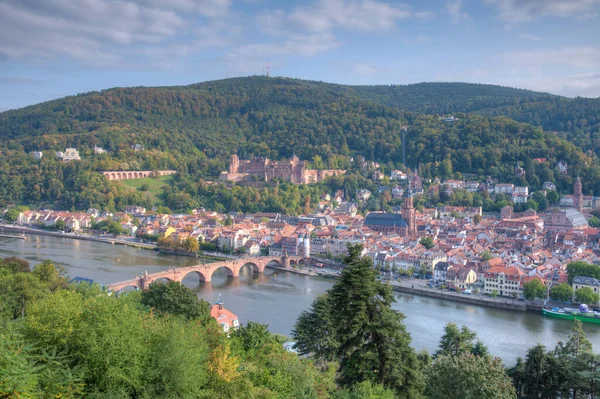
(594, 221)
(494, 294)
(552, 196)
(176, 299)
(60, 225)
(468, 377)
(476, 219)
(15, 265)
(577, 343)
(373, 342)
(11, 215)
(314, 332)
(49, 274)
(17, 292)
(486, 255)
(543, 375)
(561, 292)
(456, 342)
(115, 228)
(534, 289)
(365, 390)
(191, 244)
(427, 242)
(254, 338)
(581, 268)
(586, 295)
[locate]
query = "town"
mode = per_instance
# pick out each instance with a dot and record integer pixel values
(458, 248)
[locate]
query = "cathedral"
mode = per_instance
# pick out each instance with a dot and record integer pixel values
(571, 218)
(264, 169)
(404, 224)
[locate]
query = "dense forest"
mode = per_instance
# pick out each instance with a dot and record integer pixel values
(76, 341)
(194, 129)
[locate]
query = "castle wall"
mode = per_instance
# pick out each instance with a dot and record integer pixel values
(293, 170)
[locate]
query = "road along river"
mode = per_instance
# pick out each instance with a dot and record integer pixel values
(276, 297)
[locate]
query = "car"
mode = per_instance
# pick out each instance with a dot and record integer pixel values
(468, 292)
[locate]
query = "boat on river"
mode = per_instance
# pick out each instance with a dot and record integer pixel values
(582, 313)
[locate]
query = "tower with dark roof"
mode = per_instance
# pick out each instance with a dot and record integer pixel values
(409, 212)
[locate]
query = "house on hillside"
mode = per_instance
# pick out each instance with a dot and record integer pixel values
(225, 318)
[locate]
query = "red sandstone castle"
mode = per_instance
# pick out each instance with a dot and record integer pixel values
(264, 169)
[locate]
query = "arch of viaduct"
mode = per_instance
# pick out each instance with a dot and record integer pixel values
(135, 174)
(205, 272)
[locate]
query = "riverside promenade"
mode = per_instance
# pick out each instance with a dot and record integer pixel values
(117, 241)
(418, 287)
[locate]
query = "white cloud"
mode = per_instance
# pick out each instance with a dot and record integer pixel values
(95, 31)
(361, 15)
(296, 44)
(565, 71)
(515, 11)
(455, 11)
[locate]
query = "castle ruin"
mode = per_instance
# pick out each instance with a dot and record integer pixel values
(264, 169)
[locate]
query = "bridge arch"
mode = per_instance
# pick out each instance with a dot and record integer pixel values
(275, 261)
(255, 267)
(160, 280)
(126, 288)
(232, 271)
(198, 273)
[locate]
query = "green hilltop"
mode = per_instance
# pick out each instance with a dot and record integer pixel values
(196, 128)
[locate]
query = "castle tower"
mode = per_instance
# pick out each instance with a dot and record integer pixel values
(234, 164)
(409, 213)
(578, 196)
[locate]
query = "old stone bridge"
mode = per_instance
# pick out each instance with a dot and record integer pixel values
(205, 272)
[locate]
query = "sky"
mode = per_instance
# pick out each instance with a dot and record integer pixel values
(54, 48)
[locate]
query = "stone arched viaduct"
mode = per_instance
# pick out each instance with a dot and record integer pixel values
(205, 272)
(135, 174)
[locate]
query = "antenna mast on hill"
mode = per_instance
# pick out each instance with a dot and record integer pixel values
(268, 69)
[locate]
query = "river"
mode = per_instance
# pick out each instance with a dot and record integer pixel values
(276, 298)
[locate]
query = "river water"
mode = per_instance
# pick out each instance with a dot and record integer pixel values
(276, 298)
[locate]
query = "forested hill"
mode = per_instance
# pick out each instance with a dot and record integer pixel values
(577, 119)
(194, 129)
(278, 117)
(448, 98)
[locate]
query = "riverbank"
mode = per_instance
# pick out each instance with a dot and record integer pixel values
(114, 241)
(408, 288)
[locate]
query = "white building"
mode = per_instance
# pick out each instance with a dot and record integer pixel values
(37, 155)
(364, 194)
(521, 190)
(504, 188)
(562, 167)
(98, 150)
(71, 154)
(519, 198)
(398, 175)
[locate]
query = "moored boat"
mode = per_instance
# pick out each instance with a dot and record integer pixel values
(583, 314)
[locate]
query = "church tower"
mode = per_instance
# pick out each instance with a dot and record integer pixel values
(577, 196)
(409, 213)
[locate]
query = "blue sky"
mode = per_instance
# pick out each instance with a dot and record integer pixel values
(55, 48)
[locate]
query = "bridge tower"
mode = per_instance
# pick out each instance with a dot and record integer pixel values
(285, 261)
